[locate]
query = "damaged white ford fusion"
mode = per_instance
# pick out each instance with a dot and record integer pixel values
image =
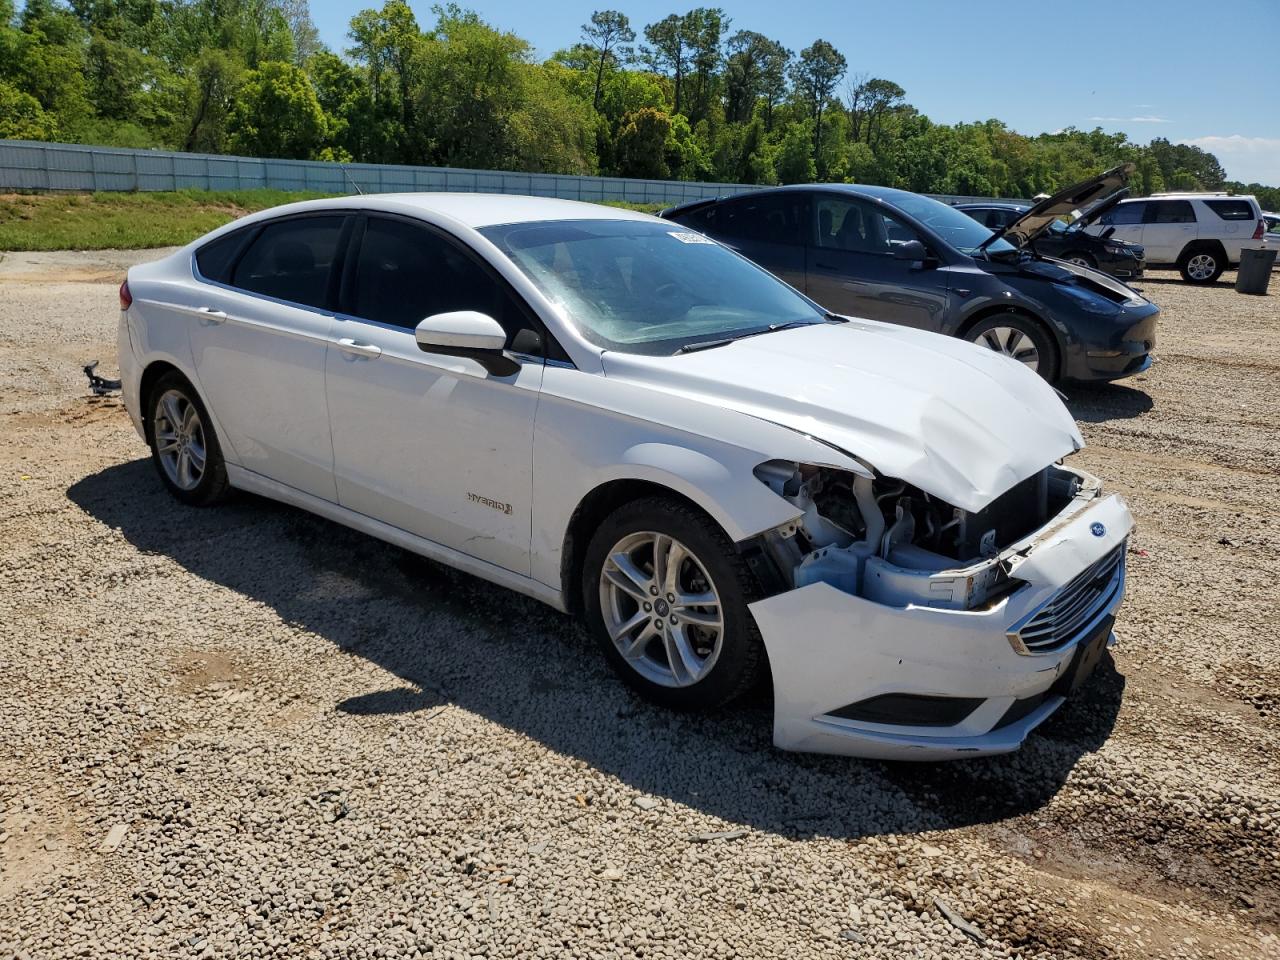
(632, 423)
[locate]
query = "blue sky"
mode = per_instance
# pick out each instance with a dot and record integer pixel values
(1182, 69)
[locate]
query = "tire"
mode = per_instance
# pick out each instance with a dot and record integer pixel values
(187, 456)
(726, 662)
(1014, 334)
(1081, 259)
(1202, 264)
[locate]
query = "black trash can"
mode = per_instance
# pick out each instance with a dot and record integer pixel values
(1255, 270)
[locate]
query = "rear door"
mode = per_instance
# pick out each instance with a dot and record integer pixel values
(852, 269)
(1167, 228)
(1234, 220)
(259, 339)
(767, 228)
(432, 444)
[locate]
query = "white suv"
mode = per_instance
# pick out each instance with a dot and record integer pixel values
(1202, 233)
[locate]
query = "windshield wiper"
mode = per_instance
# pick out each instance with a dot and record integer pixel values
(709, 344)
(705, 345)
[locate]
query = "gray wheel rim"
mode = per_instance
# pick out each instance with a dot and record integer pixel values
(1201, 266)
(1079, 261)
(1012, 343)
(662, 609)
(179, 439)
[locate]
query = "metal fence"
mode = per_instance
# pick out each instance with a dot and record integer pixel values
(30, 165)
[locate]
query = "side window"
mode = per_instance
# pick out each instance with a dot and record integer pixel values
(1231, 209)
(703, 219)
(290, 260)
(405, 273)
(768, 218)
(853, 226)
(1124, 214)
(214, 259)
(1170, 211)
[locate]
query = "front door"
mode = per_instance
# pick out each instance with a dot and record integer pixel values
(1124, 220)
(259, 342)
(852, 269)
(431, 444)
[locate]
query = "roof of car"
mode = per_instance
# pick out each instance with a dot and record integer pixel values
(993, 205)
(474, 209)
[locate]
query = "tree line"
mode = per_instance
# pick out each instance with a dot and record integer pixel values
(687, 97)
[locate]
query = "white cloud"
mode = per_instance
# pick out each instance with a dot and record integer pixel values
(1130, 120)
(1248, 159)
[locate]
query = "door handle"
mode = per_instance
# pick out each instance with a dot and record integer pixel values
(210, 315)
(347, 345)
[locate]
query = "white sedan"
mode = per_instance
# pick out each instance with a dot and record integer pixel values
(631, 423)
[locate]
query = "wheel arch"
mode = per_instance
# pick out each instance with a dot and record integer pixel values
(603, 500)
(1206, 243)
(150, 374)
(994, 311)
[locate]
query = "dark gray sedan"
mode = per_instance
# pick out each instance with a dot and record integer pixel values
(904, 258)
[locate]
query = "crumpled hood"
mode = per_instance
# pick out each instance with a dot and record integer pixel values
(960, 422)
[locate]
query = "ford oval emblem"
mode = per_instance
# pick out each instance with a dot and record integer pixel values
(1098, 530)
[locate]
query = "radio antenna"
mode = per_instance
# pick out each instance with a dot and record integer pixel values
(350, 179)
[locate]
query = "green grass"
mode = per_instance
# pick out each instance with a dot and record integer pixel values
(101, 221)
(132, 221)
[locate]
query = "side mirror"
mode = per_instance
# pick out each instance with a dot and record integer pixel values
(467, 333)
(912, 250)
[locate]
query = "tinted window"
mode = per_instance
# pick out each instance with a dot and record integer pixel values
(768, 218)
(290, 260)
(647, 287)
(1231, 209)
(1124, 213)
(851, 225)
(948, 223)
(406, 273)
(1170, 211)
(214, 259)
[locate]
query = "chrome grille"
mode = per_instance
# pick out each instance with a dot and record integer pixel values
(1074, 607)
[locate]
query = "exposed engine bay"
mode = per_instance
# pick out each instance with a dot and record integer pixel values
(892, 543)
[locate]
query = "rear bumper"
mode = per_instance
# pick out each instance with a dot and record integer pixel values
(830, 650)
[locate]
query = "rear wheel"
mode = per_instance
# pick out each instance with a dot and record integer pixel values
(1202, 264)
(666, 595)
(184, 447)
(1021, 337)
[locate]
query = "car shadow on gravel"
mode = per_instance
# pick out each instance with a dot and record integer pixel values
(1100, 402)
(450, 638)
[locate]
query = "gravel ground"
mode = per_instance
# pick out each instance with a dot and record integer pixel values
(249, 732)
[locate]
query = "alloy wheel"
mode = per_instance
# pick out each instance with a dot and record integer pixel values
(661, 609)
(180, 442)
(1012, 343)
(1201, 266)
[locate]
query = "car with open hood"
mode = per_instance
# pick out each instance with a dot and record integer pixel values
(903, 258)
(1069, 240)
(621, 418)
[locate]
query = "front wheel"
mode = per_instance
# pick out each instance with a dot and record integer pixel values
(1080, 259)
(1020, 337)
(666, 595)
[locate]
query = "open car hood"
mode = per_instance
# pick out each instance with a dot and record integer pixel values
(1088, 193)
(960, 422)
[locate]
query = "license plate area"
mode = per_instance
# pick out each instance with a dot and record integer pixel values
(1088, 653)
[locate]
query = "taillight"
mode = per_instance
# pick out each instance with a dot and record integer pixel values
(126, 298)
(1261, 230)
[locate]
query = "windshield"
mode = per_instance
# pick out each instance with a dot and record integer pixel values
(954, 226)
(643, 287)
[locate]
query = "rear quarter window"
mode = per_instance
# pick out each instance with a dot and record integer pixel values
(215, 258)
(1231, 209)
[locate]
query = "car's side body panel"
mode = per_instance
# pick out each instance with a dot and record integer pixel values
(431, 444)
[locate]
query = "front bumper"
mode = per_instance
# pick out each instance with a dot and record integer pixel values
(1115, 348)
(829, 649)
